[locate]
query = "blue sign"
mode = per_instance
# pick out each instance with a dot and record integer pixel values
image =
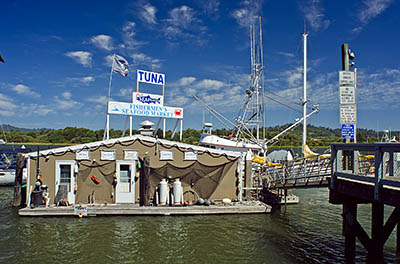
(347, 131)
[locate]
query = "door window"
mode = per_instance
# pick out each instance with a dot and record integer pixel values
(125, 178)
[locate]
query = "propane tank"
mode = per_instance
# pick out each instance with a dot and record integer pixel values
(163, 192)
(178, 193)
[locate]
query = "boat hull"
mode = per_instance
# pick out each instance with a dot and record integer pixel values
(7, 177)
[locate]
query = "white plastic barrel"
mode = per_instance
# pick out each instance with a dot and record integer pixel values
(178, 193)
(163, 192)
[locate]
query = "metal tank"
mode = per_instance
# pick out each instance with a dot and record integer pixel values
(178, 193)
(163, 192)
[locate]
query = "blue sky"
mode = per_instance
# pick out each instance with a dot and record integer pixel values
(57, 58)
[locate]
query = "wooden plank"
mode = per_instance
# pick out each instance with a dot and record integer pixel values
(355, 177)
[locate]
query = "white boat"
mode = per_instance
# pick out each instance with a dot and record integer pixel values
(8, 165)
(231, 144)
(7, 177)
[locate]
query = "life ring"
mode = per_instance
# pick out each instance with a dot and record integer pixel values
(94, 179)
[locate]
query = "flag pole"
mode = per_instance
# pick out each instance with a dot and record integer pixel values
(107, 130)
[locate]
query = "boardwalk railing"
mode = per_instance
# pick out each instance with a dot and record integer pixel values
(372, 164)
(303, 173)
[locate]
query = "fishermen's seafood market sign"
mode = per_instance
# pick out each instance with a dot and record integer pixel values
(120, 108)
(144, 104)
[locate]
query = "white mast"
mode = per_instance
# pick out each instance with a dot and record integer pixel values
(305, 91)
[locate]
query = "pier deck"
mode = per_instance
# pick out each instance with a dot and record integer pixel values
(119, 209)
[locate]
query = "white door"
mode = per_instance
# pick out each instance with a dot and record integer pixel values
(65, 178)
(125, 189)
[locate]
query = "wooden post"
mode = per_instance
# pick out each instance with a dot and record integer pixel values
(349, 218)
(398, 237)
(144, 192)
(377, 231)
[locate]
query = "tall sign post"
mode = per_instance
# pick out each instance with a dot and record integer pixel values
(347, 95)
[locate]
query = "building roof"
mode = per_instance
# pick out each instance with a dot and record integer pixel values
(131, 138)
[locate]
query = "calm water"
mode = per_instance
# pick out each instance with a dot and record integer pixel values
(309, 232)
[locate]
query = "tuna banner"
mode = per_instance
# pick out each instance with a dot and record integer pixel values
(150, 77)
(120, 108)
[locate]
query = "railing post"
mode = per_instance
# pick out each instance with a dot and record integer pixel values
(333, 166)
(378, 172)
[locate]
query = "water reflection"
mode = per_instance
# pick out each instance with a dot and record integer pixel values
(306, 233)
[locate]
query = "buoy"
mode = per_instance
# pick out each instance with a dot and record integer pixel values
(94, 179)
(226, 201)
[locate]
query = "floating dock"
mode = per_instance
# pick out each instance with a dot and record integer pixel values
(119, 209)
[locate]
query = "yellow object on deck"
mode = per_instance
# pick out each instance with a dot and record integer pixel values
(258, 159)
(307, 152)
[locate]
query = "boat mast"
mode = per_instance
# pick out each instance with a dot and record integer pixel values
(305, 91)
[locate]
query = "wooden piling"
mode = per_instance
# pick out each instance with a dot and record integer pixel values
(349, 218)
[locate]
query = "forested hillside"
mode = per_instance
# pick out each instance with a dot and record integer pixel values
(317, 136)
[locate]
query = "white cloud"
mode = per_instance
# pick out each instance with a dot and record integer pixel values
(66, 95)
(148, 13)
(210, 84)
(183, 24)
(83, 80)
(128, 36)
(81, 57)
(286, 54)
(369, 10)
(37, 109)
(313, 12)
(98, 99)
(184, 81)
(103, 41)
(6, 113)
(248, 13)
(372, 8)
(24, 90)
(126, 92)
(66, 102)
(143, 59)
(87, 79)
(6, 104)
(182, 16)
(211, 7)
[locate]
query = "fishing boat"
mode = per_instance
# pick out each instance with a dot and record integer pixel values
(248, 133)
(231, 143)
(248, 129)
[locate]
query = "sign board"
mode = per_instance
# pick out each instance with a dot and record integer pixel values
(346, 78)
(130, 154)
(190, 155)
(166, 155)
(347, 131)
(348, 114)
(147, 99)
(347, 94)
(120, 108)
(107, 155)
(150, 77)
(82, 154)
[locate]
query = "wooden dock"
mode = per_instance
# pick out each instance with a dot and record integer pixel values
(351, 184)
(136, 210)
